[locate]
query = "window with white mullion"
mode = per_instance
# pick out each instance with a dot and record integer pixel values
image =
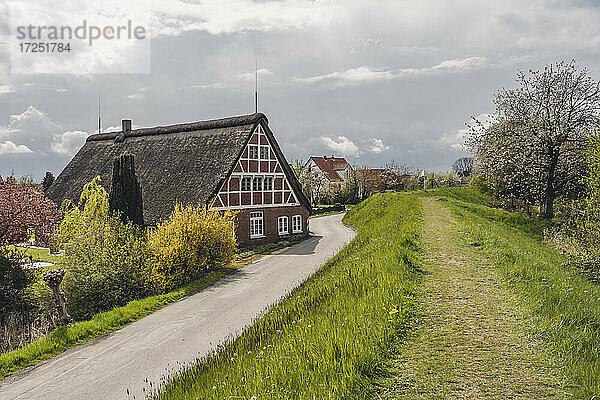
(245, 184)
(257, 181)
(256, 224)
(268, 183)
(297, 224)
(283, 225)
(264, 153)
(253, 151)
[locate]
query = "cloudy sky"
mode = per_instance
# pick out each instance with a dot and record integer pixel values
(369, 80)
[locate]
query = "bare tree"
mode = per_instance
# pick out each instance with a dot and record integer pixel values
(297, 166)
(400, 168)
(463, 167)
(537, 144)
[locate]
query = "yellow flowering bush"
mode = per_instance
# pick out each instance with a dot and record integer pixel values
(193, 240)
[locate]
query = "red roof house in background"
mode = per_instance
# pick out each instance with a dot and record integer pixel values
(336, 169)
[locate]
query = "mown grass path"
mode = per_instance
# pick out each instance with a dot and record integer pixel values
(471, 339)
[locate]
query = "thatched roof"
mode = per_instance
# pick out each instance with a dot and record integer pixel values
(184, 162)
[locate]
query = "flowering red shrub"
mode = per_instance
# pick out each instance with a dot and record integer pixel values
(24, 208)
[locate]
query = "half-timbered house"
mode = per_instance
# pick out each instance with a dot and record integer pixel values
(231, 163)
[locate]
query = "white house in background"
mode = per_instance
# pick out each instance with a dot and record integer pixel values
(336, 169)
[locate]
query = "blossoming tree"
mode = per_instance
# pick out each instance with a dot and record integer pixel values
(24, 209)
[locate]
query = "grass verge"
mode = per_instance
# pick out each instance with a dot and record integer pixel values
(68, 336)
(38, 254)
(245, 256)
(564, 305)
(330, 337)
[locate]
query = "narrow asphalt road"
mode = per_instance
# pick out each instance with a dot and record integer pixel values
(135, 360)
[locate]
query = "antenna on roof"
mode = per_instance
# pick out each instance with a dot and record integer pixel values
(256, 87)
(99, 119)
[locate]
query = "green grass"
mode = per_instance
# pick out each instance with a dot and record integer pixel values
(267, 248)
(472, 339)
(564, 306)
(329, 338)
(326, 214)
(38, 254)
(66, 337)
(465, 194)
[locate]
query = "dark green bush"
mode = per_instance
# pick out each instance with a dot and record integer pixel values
(17, 308)
(126, 192)
(13, 282)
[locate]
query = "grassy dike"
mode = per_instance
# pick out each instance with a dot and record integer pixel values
(564, 306)
(330, 337)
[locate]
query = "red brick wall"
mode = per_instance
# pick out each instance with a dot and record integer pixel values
(270, 229)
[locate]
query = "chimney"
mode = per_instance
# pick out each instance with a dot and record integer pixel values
(126, 125)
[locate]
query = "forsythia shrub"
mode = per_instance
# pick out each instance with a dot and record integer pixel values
(107, 261)
(193, 240)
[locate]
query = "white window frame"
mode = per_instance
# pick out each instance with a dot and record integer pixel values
(256, 224)
(251, 149)
(270, 180)
(265, 149)
(257, 184)
(248, 187)
(283, 225)
(296, 218)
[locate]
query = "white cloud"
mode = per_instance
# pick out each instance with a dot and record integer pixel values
(371, 74)
(341, 145)
(214, 85)
(33, 127)
(33, 131)
(5, 89)
(225, 17)
(134, 96)
(365, 73)
(377, 146)
(9, 147)
(229, 83)
(137, 95)
(249, 76)
(69, 142)
(456, 140)
(458, 64)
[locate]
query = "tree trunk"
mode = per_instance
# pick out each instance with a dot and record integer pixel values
(549, 192)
